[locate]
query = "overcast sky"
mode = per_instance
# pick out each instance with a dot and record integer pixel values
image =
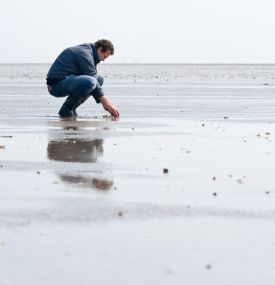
(143, 31)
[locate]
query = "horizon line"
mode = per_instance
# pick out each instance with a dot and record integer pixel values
(158, 63)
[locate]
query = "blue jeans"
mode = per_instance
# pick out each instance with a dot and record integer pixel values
(80, 86)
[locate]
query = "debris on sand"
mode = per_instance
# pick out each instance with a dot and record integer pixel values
(267, 133)
(214, 178)
(102, 184)
(165, 170)
(37, 172)
(168, 271)
(6, 137)
(120, 214)
(2, 146)
(239, 181)
(267, 192)
(225, 117)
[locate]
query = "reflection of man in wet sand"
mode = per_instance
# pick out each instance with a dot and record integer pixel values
(76, 150)
(74, 74)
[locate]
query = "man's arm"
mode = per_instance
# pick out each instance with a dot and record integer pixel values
(86, 66)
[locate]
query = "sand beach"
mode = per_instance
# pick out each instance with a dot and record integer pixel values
(179, 190)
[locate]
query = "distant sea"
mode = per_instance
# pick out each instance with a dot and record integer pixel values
(193, 74)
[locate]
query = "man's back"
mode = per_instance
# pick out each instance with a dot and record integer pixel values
(76, 60)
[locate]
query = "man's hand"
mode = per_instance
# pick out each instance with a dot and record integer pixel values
(108, 106)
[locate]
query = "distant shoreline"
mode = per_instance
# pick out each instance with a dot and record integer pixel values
(191, 64)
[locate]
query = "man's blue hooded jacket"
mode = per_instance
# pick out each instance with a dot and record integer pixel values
(77, 60)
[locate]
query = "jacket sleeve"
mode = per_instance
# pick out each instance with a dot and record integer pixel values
(86, 66)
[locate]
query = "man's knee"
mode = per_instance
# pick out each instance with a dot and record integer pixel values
(100, 80)
(86, 85)
(90, 82)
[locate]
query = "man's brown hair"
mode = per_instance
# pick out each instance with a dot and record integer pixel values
(105, 45)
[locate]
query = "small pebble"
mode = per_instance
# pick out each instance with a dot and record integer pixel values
(120, 214)
(215, 194)
(165, 170)
(239, 181)
(101, 184)
(208, 266)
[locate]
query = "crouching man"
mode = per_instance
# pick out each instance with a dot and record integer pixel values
(74, 74)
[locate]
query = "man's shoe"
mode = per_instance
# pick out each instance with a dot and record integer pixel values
(80, 102)
(66, 111)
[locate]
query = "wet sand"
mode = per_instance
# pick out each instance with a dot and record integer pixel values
(180, 189)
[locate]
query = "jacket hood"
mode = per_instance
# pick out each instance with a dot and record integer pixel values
(95, 55)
